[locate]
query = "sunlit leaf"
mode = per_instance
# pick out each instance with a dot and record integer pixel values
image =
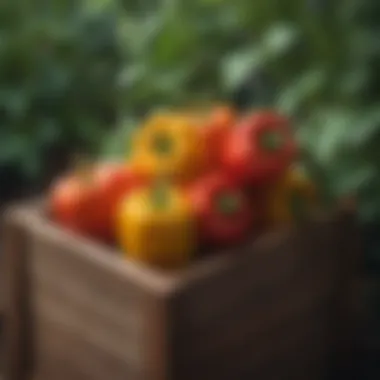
(367, 127)
(302, 91)
(331, 127)
(239, 66)
(118, 143)
(279, 39)
(98, 5)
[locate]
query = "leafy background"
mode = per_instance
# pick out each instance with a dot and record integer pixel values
(72, 71)
(57, 86)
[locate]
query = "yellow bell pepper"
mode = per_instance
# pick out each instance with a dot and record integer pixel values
(156, 226)
(294, 197)
(169, 145)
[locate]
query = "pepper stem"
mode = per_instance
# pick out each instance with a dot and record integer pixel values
(228, 204)
(271, 141)
(162, 144)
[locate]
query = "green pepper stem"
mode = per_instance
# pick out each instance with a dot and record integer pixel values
(163, 144)
(271, 141)
(228, 204)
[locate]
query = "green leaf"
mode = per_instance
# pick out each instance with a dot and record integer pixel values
(367, 127)
(355, 82)
(348, 177)
(98, 5)
(118, 144)
(279, 39)
(135, 36)
(173, 80)
(49, 132)
(132, 75)
(312, 169)
(173, 42)
(302, 91)
(15, 101)
(332, 126)
(12, 146)
(239, 66)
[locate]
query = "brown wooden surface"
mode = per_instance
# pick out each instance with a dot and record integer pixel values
(94, 315)
(259, 307)
(90, 313)
(17, 318)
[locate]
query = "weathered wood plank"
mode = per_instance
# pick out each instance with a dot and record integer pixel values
(248, 313)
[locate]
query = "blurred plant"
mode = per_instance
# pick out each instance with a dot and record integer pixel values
(325, 63)
(57, 87)
(317, 60)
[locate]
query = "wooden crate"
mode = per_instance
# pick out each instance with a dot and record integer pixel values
(275, 309)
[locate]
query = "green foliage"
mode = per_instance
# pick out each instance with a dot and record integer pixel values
(57, 82)
(325, 80)
(319, 60)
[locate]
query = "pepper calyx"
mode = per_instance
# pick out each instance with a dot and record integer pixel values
(271, 141)
(228, 203)
(162, 144)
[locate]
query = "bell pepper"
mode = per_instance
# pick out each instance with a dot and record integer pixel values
(156, 226)
(73, 203)
(169, 145)
(214, 125)
(259, 149)
(113, 181)
(222, 210)
(216, 128)
(292, 199)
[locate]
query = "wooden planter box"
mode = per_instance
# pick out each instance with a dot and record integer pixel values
(275, 309)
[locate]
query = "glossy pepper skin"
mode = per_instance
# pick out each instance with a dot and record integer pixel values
(223, 211)
(214, 125)
(215, 130)
(72, 204)
(259, 149)
(292, 199)
(157, 228)
(170, 146)
(113, 181)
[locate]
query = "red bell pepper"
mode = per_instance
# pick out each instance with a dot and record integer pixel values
(86, 200)
(113, 181)
(259, 149)
(217, 127)
(222, 210)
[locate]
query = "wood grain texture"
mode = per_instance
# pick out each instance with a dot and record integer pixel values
(258, 312)
(102, 319)
(92, 315)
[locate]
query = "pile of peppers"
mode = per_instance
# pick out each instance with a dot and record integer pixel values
(196, 180)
